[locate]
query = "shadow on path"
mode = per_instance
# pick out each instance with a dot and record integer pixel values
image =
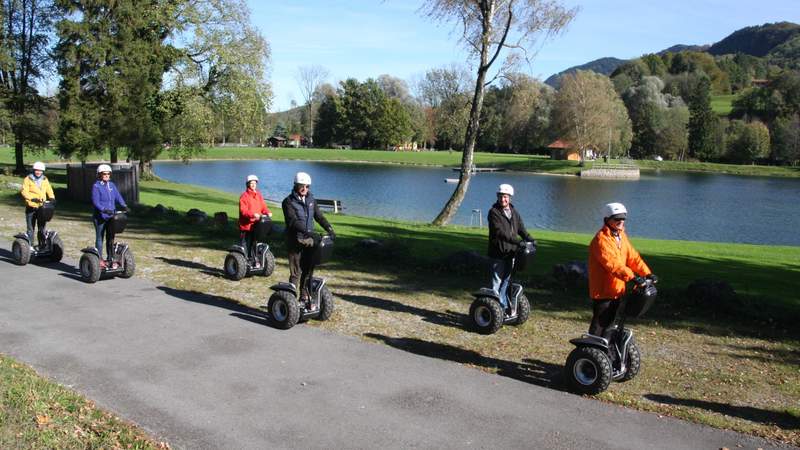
(783, 420)
(208, 270)
(531, 371)
(448, 318)
(8, 256)
(237, 309)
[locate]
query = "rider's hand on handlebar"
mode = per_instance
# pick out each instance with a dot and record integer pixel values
(108, 211)
(331, 234)
(652, 277)
(257, 216)
(638, 280)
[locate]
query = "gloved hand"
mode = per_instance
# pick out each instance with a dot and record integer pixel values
(108, 211)
(638, 280)
(331, 234)
(125, 209)
(38, 200)
(652, 277)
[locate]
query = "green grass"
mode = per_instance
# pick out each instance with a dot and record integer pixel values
(37, 413)
(729, 365)
(722, 104)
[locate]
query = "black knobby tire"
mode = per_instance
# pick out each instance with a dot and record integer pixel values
(486, 314)
(269, 263)
(284, 311)
(325, 304)
(128, 264)
(588, 371)
(235, 266)
(21, 251)
(90, 267)
(634, 362)
(57, 250)
(523, 310)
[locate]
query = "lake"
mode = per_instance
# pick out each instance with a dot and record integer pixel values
(665, 205)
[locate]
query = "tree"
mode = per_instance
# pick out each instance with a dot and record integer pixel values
(489, 27)
(309, 78)
(701, 122)
(653, 119)
(24, 59)
(786, 140)
(748, 142)
(590, 115)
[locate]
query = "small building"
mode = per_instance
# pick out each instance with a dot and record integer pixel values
(277, 141)
(759, 82)
(564, 150)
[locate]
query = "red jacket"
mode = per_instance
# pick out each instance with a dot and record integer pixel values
(611, 264)
(250, 203)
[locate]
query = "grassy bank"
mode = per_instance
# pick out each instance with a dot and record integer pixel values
(525, 163)
(37, 413)
(731, 364)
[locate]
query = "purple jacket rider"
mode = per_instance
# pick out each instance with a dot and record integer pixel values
(105, 196)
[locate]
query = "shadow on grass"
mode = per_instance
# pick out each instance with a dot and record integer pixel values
(237, 309)
(448, 318)
(531, 371)
(208, 270)
(783, 420)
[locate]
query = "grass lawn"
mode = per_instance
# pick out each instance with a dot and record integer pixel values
(732, 364)
(722, 104)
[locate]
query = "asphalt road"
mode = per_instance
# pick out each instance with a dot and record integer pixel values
(200, 372)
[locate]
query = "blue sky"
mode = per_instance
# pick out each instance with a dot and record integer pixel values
(367, 38)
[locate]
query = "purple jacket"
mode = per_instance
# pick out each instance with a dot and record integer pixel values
(105, 196)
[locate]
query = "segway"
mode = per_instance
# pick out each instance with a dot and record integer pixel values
(52, 249)
(238, 263)
(486, 311)
(90, 267)
(284, 306)
(598, 360)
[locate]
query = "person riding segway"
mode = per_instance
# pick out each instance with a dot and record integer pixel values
(304, 296)
(510, 248)
(253, 254)
(108, 222)
(609, 352)
(39, 208)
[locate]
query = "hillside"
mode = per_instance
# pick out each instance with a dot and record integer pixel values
(756, 40)
(604, 66)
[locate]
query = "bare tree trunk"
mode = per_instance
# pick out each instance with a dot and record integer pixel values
(20, 169)
(114, 155)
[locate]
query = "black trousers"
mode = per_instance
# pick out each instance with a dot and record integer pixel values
(301, 268)
(32, 220)
(605, 311)
(249, 243)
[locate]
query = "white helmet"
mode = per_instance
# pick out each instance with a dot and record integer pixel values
(103, 168)
(252, 178)
(38, 165)
(614, 209)
(302, 178)
(505, 189)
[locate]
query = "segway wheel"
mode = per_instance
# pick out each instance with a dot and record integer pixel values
(129, 264)
(325, 304)
(523, 310)
(284, 312)
(58, 250)
(588, 371)
(634, 363)
(269, 263)
(90, 267)
(486, 314)
(235, 266)
(21, 251)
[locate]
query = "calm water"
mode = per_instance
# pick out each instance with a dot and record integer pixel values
(697, 207)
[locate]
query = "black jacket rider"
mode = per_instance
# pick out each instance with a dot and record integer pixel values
(505, 234)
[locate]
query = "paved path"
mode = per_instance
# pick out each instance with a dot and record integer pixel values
(201, 373)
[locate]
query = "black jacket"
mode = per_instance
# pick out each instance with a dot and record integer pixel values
(505, 234)
(300, 217)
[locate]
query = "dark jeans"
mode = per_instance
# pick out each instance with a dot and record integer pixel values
(605, 311)
(33, 219)
(103, 227)
(301, 268)
(248, 243)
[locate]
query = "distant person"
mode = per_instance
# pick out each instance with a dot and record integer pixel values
(612, 262)
(300, 210)
(251, 207)
(105, 198)
(36, 190)
(506, 233)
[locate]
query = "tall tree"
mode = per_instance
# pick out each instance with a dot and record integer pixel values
(309, 78)
(489, 28)
(701, 122)
(24, 59)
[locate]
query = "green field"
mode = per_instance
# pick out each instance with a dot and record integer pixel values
(722, 104)
(731, 363)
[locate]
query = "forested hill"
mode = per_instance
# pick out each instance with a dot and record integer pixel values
(604, 66)
(756, 40)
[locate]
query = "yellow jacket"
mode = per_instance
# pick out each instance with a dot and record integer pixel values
(611, 264)
(30, 192)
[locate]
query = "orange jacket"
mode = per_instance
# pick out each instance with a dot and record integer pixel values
(612, 264)
(250, 203)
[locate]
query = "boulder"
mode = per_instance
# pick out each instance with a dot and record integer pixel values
(709, 292)
(221, 219)
(159, 210)
(196, 217)
(370, 244)
(571, 274)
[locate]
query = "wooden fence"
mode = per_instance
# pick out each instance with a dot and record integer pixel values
(81, 177)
